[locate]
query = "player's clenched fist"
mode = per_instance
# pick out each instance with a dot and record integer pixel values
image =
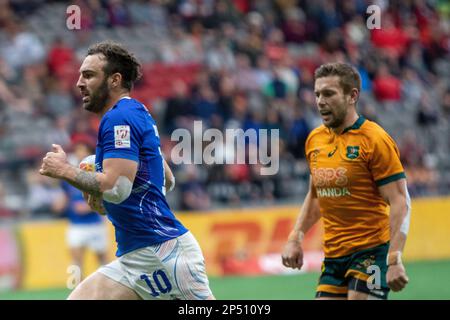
(54, 162)
(292, 255)
(396, 277)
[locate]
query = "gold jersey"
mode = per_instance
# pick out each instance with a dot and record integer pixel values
(347, 170)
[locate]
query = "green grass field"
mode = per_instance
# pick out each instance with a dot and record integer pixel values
(428, 280)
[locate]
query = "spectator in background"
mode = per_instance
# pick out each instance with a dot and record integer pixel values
(256, 57)
(82, 130)
(263, 72)
(206, 105)
(446, 105)
(428, 115)
(227, 89)
(411, 152)
(411, 86)
(157, 15)
(273, 122)
(277, 88)
(289, 73)
(118, 14)
(329, 17)
(33, 85)
(223, 12)
(220, 57)
(244, 76)
(59, 57)
(58, 131)
(183, 47)
(299, 131)
(386, 86)
(193, 193)
(275, 47)
(294, 28)
(414, 59)
(58, 101)
(254, 122)
(179, 108)
(428, 118)
(42, 193)
(357, 32)
(102, 18)
(6, 11)
(21, 48)
(369, 111)
(390, 38)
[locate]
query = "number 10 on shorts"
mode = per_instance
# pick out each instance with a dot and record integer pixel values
(157, 276)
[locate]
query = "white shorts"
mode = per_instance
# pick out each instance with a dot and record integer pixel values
(92, 236)
(174, 269)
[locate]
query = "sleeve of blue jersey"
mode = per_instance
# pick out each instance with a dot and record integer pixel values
(108, 137)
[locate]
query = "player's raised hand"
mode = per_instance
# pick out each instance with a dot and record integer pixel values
(54, 163)
(292, 255)
(396, 277)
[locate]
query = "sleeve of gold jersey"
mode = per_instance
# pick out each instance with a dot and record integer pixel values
(307, 147)
(307, 150)
(310, 140)
(384, 160)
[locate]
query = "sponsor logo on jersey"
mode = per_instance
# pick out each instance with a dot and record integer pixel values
(331, 153)
(332, 192)
(122, 137)
(352, 152)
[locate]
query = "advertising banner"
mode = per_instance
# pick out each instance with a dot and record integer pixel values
(234, 242)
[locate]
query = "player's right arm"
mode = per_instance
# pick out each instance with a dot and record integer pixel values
(292, 255)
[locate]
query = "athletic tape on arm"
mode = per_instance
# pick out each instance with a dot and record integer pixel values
(404, 228)
(120, 192)
(172, 183)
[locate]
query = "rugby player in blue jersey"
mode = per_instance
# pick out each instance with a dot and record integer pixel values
(157, 257)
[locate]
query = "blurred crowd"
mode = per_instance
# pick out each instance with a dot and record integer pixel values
(244, 64)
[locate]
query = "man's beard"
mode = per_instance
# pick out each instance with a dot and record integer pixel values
(338, 119)
(98, 99)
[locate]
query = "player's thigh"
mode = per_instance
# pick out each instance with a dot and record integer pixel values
(100, 287)
(367, 273)
(356, 295)
(171, 270)
(331, 298)
(191, 270)
(327, 295)
(332, 282)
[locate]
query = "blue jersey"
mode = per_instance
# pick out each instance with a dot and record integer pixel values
(128, 131)
(75, 197)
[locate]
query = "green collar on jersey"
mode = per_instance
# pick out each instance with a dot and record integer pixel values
(356, 125)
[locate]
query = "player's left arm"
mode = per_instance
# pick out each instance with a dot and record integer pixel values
(396, 195)
(114, 184)
(168, 177)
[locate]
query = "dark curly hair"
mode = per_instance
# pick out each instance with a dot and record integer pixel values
(119, 60)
